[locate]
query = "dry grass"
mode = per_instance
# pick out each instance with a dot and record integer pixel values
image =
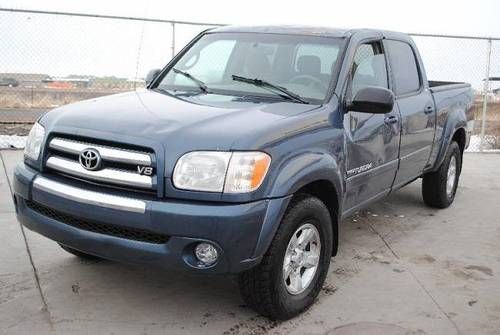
(46, 97)
(492, 118)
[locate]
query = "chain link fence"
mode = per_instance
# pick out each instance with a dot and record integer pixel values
(476, 61)
(50, 59)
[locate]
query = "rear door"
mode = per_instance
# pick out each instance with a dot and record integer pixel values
(372, 140)
(416, 106)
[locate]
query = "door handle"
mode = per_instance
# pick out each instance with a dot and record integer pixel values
(391, 119)
(428, 109)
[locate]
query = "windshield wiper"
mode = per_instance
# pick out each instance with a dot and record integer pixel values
(198, 82)
(262, 83)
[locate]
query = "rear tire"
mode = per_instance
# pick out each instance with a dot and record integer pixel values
(79, 254)
(269, 287)
(439, 187)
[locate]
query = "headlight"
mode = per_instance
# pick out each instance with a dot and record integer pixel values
(246, 171)
(214, 171)
(34, 141)
(201, 171)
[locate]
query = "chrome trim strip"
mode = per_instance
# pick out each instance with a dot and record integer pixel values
(105, 175)
(107, 153)
(89, 197)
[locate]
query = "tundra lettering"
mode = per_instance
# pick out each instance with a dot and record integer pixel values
(243, 155)
(359, 169)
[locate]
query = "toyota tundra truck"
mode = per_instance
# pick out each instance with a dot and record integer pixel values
(244, 154)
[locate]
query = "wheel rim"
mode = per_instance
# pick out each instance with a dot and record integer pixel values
(451, 177)
(301, 259)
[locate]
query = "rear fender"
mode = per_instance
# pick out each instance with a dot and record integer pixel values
(455, 120)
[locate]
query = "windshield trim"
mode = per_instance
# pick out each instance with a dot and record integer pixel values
(334, 75)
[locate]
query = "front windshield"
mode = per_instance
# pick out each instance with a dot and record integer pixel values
(302, 65)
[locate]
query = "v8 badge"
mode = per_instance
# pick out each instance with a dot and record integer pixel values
(145, 170)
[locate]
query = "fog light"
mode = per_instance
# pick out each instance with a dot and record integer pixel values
(206, 253)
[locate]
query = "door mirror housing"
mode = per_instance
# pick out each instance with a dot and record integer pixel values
(372, 99)
(152, 75)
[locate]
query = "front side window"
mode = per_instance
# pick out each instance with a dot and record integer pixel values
(368, 68)
(300, 64)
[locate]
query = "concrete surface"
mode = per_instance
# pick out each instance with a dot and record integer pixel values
(402, 269)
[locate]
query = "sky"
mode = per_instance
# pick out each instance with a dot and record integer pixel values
(478, 18)
(62, 45)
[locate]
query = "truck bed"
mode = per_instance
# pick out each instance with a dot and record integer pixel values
(450, 97)
(439, 86)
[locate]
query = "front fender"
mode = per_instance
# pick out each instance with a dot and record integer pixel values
(305, 169)
(296, 173)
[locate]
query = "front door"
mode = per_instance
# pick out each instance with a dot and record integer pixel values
(372, 140)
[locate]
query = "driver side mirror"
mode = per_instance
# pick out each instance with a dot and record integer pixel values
(372, 99)
(151, 76)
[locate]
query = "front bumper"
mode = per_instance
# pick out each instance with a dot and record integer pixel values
(240, 232)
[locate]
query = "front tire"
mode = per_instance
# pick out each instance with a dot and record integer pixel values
(293, 270)
(439, 187)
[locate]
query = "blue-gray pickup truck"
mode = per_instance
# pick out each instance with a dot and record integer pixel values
(243, 155)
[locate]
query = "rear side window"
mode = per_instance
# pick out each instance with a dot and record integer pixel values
(404, 67)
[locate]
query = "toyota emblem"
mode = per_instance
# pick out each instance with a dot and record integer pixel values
(90, 159)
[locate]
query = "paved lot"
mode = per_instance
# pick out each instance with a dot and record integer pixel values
(402, 269)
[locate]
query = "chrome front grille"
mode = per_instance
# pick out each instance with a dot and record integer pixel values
(107, 153)
(118, 166)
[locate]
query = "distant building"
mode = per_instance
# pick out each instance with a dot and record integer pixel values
(27, 79)
(495, 95)
(67, 83)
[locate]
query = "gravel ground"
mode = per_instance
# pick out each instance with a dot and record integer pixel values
(20, 129)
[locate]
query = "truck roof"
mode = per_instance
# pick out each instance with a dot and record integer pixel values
(307, 30)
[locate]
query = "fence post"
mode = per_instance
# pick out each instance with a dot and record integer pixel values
(486, 88)
(173, 39)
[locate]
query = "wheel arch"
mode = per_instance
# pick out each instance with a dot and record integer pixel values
(314, 173)
(326, 192)
(460, 137)
(453, 132)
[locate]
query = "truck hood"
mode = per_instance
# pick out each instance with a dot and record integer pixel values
(190, 123)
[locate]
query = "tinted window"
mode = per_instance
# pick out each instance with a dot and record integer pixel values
(403, 66)
(368, 68)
